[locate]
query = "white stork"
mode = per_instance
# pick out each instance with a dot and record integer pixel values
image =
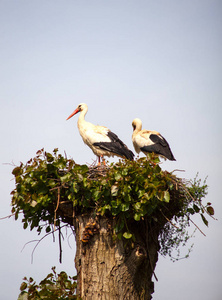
(149, 141)
(100, 139)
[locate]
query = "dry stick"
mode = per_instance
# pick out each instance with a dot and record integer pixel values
(38, 241)
(177, 170)
(151, 265)
(7, 217)
(197, 227)
(168, 219)
(56, 208)
(60, 246)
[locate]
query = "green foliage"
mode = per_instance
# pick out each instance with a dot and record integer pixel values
(54, 286)
(129, 191)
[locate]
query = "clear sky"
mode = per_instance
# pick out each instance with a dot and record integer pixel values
(159, 61)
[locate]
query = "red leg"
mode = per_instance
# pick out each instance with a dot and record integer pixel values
(104, 162)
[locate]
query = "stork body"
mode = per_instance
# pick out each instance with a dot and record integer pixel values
(149, 141)
(100, 139)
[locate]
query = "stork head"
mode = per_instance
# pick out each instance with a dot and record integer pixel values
(80, 107)
(137, 124)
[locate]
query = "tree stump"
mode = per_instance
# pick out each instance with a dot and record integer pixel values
(108, 269)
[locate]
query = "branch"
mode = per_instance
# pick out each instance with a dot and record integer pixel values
(56, 207)
(168, 220)
(60, 245)
(197, 227)
(7, 217)
(38, 241)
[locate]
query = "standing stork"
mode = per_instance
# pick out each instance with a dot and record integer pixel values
(149, 141)
(100, 139)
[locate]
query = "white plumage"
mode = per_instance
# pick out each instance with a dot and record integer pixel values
(149, 141)
(100, 139)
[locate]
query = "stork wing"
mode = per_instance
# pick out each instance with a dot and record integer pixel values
(158, 139)
(116, 146)
(160, 146)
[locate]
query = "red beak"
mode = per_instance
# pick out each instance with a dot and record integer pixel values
(75, 112)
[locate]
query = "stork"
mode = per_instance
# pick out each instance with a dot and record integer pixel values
(149, 141)
(100, 139)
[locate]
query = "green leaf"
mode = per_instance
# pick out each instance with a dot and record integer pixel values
(49, 157)
(55, 150)
(75, 187)
(191, 210)
(127, 235)
(125, 172)
(23, 286)
(114, 204)
(119, 226)
(66, 177)
(125, 206)
(80, 177)
(25, 225)
(204, 219)
(17, 171)
(166, 196)
(118, 176)
(96, 195)
(48, 229)
(137, 217)
(140, 193)
(114, 190)
(137, 205)
(23, 296)
(210, 210)
(196, 208)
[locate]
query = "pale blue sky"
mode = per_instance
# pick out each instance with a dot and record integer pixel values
(156, 60)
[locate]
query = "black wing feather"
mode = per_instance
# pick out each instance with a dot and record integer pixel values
(160, 147)
(116, 146)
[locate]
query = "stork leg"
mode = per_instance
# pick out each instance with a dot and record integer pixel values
(103, 159)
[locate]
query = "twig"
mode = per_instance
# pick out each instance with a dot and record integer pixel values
(168, 220)
(7, 217)
(151, 265)
(56, 208)
(71, 234)
(60, 245)
(10, 164)
(197, 227)
(177, 170)
(38, 241)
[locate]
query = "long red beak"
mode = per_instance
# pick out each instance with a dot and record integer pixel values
(75, 112)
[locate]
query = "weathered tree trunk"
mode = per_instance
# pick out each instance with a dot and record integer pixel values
(106, 269)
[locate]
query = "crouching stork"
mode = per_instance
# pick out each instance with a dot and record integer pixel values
(149, 141)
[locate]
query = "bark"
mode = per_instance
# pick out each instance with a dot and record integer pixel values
(108, 269)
